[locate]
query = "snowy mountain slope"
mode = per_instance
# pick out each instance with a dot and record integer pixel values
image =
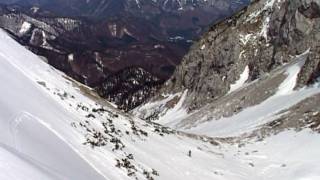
(244, 68)
(252, 81)
(25, 107)
(46, 118)
(242, 111)
(262, 37)
(54, 128)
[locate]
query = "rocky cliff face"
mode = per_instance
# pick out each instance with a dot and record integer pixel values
(258, 39)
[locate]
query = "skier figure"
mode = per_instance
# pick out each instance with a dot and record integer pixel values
(189, 153)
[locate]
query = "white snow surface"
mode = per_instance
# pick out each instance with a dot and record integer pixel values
(176, 114)
(71, 57)
(39, 142)
(25, 27)
(160, 106)
(168, 116)
(241, 81)
(32, 124)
